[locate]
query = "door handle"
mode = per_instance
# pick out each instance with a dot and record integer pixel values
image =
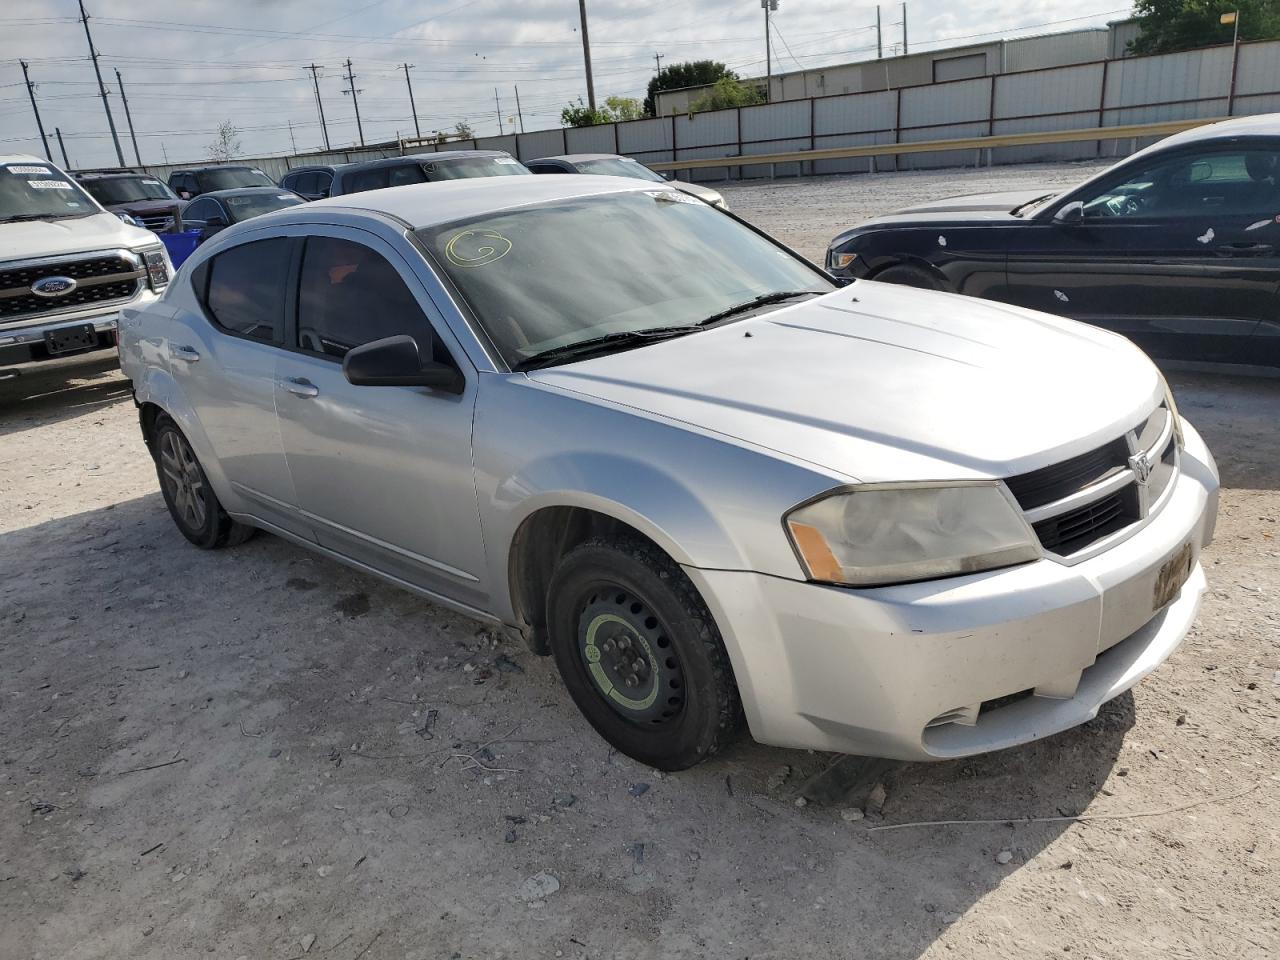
(301, 387)
(1246, 249)
(187, 354)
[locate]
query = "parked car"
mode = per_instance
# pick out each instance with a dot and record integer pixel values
(310, 183)
(709, 482)
(213, 212)
(189, 183)
(67, 266)
(1177, 247)
(424, 168)
(614, 165)
(137, 195)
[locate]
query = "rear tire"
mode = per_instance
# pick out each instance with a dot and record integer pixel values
(192, 504)
(641, 654)
(912, 276)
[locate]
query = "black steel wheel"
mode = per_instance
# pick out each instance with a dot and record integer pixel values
(640, 653)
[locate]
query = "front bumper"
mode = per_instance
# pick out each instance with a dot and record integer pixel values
(25, 342)
(949, 668)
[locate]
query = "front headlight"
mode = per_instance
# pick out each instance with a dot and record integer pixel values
(157, 264)
(880, 534)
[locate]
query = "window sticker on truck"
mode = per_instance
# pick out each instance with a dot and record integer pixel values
(48, 185)
(17, 169)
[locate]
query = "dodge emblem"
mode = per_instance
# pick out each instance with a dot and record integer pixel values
(1141, 466)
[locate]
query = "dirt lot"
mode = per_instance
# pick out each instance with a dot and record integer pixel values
(259, 754)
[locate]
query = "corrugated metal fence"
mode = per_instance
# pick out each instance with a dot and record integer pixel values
(1133, 90)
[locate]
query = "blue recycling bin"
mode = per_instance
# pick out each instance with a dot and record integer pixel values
(180, 245)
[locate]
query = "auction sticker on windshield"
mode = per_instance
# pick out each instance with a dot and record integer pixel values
(15, 168)
(48, 185)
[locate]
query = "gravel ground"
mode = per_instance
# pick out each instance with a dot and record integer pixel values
(257, 753)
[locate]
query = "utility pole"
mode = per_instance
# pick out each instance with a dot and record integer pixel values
(769, 6)
(132, 136)
(1232, 18)
(315, 79)
(102, 89)
(293, 142)
(879, 36)
(519, 112)
(164, 152)
(66, 164)
(412, 106)
(657, 61)
(31, 92)
(904, 27)
(351, 79)
(586, 56)
(498, 107)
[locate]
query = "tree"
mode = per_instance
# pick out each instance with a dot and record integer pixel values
(697, 73)
(624, 108)
(615, 109)
(1172, 25)
(725, 94)
(227, 144)
(462, 131)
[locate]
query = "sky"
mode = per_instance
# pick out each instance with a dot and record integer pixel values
(188, 66)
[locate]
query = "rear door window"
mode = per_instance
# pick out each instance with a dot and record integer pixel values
(409, 173)
(374, 179)
(246, 289)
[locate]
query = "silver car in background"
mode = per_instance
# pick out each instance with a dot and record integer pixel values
(668, 451)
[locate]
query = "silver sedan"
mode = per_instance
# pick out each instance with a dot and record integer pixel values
(666, 450)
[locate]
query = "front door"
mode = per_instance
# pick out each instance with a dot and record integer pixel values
(1178, 252)
(383, 473)
(224, 362)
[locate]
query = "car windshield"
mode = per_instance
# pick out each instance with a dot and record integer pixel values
(34, 191)
(547, 276)
(464, 167)
(232, 177)
(618, 167)
(127, 190)
(248, 205)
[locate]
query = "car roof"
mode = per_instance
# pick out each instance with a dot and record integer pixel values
(426, 157)
(431, 204)
(214, 166)
(241, 192)
(326, 167)
(1260, 125)
(7, 158)
(577, 157)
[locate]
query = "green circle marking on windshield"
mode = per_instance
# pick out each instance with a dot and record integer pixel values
(476, 248)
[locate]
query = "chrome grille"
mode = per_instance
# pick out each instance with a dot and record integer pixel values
(109, 278)
(156, 222)
(1078, 504)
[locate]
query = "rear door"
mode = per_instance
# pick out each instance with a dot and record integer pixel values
(224, 362)
(384, 474)
(1177, 252)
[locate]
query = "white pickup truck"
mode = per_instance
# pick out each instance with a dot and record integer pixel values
(67, 266)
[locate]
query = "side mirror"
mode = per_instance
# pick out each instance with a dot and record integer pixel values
(397, 362)
(1070, 213)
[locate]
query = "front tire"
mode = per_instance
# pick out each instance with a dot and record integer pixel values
(192, 504)
(641, 654)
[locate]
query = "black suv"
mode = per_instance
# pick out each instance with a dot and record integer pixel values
(424, 168)
(310, 183)
(139, 195)
(194, 181)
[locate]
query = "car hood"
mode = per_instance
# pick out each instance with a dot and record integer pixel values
(880, 382)
(51, 238)
(978, 208)
(146, 206)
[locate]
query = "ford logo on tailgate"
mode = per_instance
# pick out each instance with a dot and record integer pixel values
(53, 286)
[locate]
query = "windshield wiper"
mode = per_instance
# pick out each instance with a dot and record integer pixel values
(24, 217)
(1017, 211)
(761, 301)
(604, 344)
